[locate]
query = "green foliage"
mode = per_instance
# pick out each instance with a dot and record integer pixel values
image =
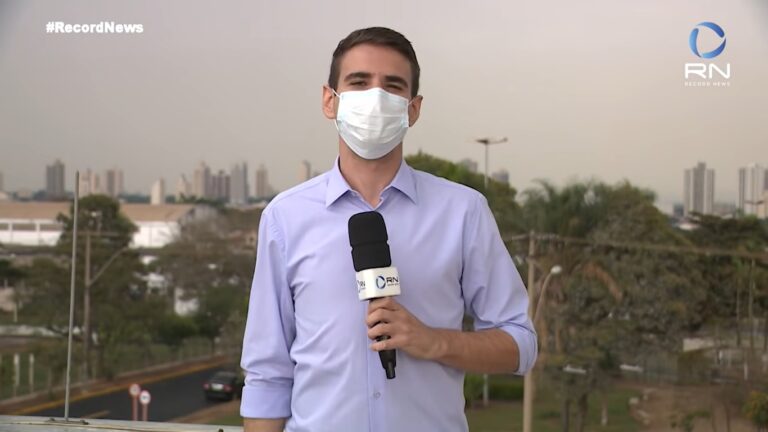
(685, 421)
(756, 410)
(500, 389)
(172, 330)
(473, 389)
(500, 196)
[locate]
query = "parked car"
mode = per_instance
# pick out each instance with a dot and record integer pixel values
(223, 385)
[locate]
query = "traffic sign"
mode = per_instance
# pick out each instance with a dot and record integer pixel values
(134, 390)
(144, 397)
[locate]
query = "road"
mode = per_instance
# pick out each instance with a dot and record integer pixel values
(171, 398)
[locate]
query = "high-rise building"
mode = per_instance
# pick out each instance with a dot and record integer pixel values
(95, 184)
(262, 187)
(239, 186)
(201, 182)
(469, 164)
(113, 182)
(157, 194)
(752, 184)
(220, 186)
(501, 176)
(305, 171)
(699, 189)
(183, 188)
(54, 180)
(84, 184)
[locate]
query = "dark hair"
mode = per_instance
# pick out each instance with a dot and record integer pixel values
(380, 36)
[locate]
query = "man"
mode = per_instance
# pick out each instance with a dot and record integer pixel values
(310, 350)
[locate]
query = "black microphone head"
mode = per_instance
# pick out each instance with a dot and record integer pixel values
(366, 228)
(368, 238)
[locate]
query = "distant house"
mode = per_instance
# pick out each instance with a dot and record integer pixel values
(35, 224)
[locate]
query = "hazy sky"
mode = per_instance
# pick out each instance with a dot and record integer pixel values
(582, 89)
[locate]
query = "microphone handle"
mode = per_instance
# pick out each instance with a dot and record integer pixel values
(388, 357)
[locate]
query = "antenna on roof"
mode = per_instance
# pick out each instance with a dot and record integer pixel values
(73, 266)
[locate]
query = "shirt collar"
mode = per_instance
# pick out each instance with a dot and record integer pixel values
(404, 181)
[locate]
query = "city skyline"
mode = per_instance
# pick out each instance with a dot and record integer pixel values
(698, 192)
(605, 101)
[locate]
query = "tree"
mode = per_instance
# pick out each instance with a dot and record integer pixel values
(500, 196)
(114, 308)
(609, 301)
(212, 263)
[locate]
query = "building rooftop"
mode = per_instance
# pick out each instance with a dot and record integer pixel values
(134, 212)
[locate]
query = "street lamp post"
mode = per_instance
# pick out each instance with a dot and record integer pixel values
(487, 142)
(535, 311)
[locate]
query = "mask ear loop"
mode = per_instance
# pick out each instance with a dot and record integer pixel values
(336, 120)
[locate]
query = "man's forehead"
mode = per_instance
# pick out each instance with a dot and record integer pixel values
(374, 60)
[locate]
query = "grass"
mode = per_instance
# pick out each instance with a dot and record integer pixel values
(508, 416)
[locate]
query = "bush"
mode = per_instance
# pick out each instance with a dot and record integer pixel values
(473, 389)
(756, 409)
(506, 390)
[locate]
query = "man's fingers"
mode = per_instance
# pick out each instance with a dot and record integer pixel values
(391, 343)
(381, 329)
(382, 303)
(379, 315)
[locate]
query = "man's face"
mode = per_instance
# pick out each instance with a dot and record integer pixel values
(367, 66)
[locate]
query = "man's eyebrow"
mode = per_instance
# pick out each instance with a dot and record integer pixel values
(357, 75)
(395, 79)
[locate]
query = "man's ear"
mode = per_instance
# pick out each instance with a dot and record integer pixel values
(330, 103)
(414, 109)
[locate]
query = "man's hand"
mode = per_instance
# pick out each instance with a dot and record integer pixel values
(484, 351)
(406, 332)
(263, 425)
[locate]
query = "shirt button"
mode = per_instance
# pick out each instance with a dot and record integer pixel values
(376, 395)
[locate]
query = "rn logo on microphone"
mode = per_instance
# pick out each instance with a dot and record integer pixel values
(381, 282)
(703, 74)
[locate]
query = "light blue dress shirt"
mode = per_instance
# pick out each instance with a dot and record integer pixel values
(306, 351)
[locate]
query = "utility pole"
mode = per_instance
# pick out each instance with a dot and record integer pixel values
(487, 142)
(528, 383)
(86, 334)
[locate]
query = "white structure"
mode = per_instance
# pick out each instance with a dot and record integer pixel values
(183, 188)
(157, 194)
(34, 223)
(752, 185)
(699, 189)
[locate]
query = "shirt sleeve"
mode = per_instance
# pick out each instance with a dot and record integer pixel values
(494, 293)
(269, 330)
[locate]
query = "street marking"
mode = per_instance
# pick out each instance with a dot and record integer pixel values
(102, 392)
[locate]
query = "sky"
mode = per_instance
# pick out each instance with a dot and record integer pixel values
(582, 90)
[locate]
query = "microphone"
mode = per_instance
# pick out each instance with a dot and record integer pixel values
(375, 276)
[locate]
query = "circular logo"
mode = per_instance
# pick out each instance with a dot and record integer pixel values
(692, 40)
(381, 282)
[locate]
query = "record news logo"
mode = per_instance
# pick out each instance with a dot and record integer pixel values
(709, 74)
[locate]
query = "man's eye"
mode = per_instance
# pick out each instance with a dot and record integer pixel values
(357, 83)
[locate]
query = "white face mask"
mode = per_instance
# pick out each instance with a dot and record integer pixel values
(372, 122)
